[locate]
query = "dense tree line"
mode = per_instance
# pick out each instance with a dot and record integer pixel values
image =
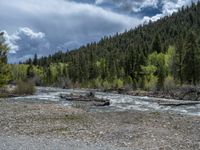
(151, 54)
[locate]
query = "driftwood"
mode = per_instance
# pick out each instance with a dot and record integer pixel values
(90, 98)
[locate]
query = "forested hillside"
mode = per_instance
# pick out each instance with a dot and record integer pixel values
(151, 56)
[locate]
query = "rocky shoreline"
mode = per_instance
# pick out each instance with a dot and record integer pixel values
(113, 130)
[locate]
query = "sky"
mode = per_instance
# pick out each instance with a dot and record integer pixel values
(44, 27)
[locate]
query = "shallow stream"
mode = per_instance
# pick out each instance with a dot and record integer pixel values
(118, 102)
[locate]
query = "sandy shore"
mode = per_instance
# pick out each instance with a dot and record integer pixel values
(53, 126)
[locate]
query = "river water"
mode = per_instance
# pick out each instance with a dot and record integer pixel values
(119, 102)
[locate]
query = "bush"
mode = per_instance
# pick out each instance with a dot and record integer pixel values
(106, 85)
(169, 83)
(118, 83)
(4, 93)
(97, 83)
(24, 88)
(151, 85)
(128, 81)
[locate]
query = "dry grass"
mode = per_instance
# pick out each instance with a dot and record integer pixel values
(24, 88)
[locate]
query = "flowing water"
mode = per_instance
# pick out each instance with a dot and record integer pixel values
(119, 102)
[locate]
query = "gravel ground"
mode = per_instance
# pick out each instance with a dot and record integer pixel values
(25, 125)
(42, 143)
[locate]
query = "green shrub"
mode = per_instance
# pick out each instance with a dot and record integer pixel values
(169, 83)
(118, 83)
(24, 88)
(106, 85)
(97, 83)
(151, 85)
(128, 81)
(4, 93)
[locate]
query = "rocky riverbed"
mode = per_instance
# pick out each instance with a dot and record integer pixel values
(28, 124)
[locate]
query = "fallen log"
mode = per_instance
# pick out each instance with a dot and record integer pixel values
(87, 98)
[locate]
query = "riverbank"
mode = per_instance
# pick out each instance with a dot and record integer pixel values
(186, 93)
(128, 129)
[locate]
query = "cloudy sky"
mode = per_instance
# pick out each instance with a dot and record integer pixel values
(47, 26)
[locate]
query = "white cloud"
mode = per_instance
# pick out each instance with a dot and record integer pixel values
(25, 43)
(146, 19)
(9, 40)
(30, 33)
(169, 7)
(62, 22)
(22, 36)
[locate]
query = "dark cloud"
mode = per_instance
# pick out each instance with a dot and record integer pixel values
(65, 24)
(149, 9)
(131, 5)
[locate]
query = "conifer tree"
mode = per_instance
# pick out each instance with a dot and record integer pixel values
(35, 60)
(156, 45)
(179, 59)
(192, 59)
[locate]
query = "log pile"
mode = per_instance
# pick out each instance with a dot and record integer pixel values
(88, 98)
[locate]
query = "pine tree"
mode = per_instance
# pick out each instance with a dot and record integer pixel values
(35, 60)
(179, 59)
(156, 45)
(192, 59)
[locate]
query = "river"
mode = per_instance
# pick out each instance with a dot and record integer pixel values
(119, 102)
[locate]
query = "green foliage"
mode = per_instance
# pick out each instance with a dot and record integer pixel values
(156, 46)
(5, 75)
(151, 83)
(161, 70)
(22, 72)
(96, 83)
(118, 83)
(170, 59)
(106, 85)
(30, 72)
(169, 83)
(149, 70)
(128, 81)
(178, 61)
(39, 72)
(159, 65)
(192, 59)
(19, 72)
(156, 67)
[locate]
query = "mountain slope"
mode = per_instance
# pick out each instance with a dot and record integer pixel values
(121, 56)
